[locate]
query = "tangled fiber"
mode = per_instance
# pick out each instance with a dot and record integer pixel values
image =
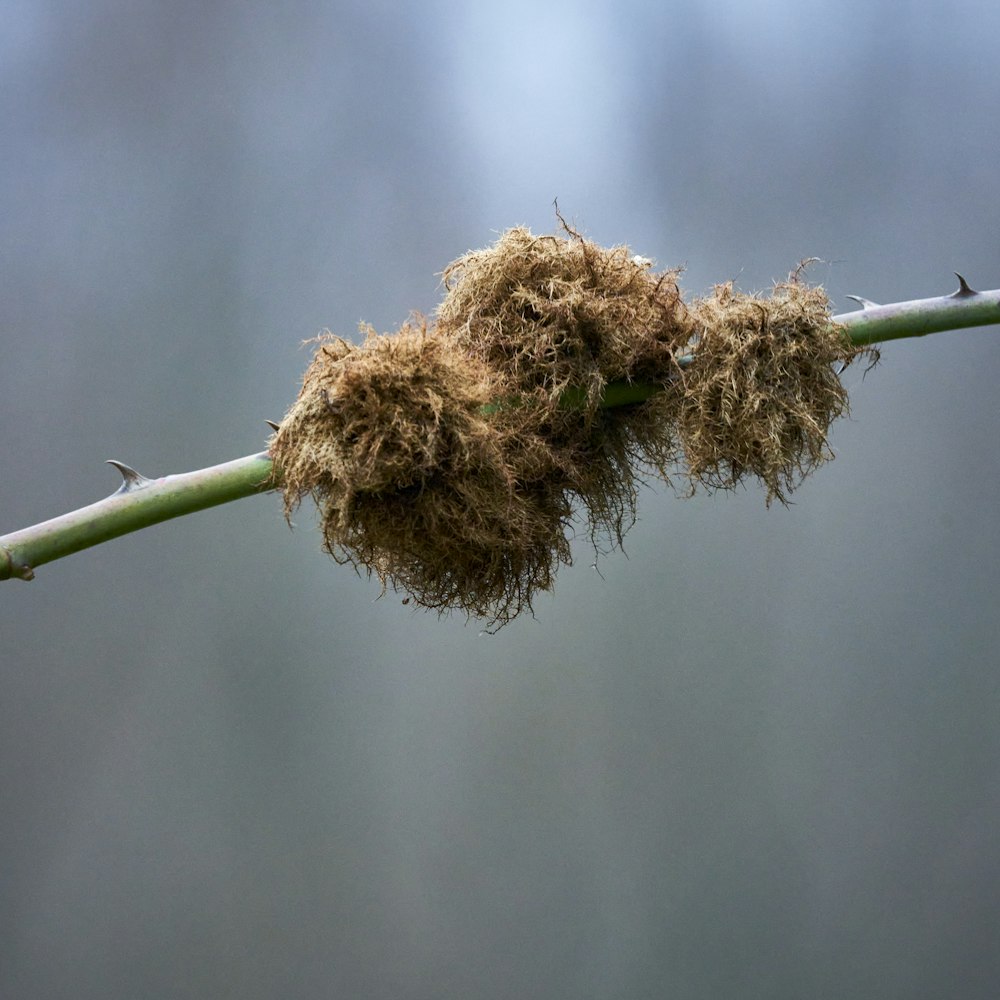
(453, 457)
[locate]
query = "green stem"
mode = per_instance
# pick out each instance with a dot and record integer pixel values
(137, 504)
(142, 502)
(875, 324)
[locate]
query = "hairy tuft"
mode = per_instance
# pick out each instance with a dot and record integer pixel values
(453, 458)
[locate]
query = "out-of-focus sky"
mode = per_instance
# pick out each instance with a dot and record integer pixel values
(757, 756)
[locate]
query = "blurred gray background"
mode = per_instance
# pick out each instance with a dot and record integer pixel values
(756, 756)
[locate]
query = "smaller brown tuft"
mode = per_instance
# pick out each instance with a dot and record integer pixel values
(761, 391)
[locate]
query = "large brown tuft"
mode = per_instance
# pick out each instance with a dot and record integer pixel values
(450, 459)
(551, 313)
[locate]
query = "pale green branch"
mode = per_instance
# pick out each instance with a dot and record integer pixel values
(137, 504)
(140, 502)
(876, 324)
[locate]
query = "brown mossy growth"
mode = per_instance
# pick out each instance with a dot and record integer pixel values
(761, 392)
(555, 319)
(379, 415)
(445, 460)
(550, 313)
(450, 460)
(390, 440)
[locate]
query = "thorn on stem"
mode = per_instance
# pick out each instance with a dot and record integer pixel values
(132, 480)
(864, 303)
(964, 291)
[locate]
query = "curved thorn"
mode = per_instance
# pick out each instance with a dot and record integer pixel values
(864, 303)
(272, 424)
(963, 288)
(132, 480)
